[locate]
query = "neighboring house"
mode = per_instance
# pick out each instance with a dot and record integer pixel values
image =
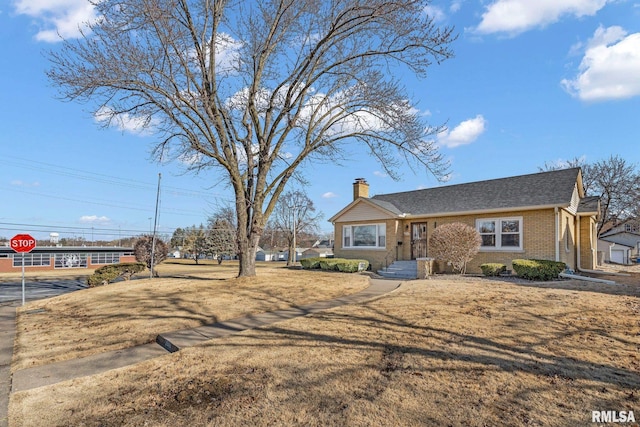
(538, 216)
(614, 252)
(266, 255)
(626, 234)
(317, 252)
(277, 255)
(284, 255)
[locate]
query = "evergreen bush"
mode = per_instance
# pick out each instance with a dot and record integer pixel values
(538, 269)
(493, 269)
(311, 263)
(334, 264)
(108, 273)
(352, 265)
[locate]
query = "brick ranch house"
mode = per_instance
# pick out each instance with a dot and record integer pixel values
(537, 216)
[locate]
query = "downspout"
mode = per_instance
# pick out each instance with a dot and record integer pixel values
(578, 266)
(557, 214)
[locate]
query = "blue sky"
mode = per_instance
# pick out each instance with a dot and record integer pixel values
(531, 82)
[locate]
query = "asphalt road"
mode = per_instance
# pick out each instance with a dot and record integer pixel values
(12, 291)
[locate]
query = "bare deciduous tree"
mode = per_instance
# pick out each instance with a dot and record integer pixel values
(257, 89)
(615, 181)
(295, 214)
(618, 185)
(456, 244)
(143, 248)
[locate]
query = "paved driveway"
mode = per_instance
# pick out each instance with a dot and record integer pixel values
(12, 291)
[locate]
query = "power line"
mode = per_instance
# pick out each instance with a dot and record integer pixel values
(102, 178)
(75, 231)
(111, 204)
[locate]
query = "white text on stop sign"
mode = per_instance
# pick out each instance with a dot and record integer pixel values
(23, 243)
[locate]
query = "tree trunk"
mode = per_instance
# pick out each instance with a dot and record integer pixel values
(247, 261)
(247, 248)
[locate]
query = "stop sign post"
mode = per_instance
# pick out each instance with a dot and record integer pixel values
(23, 243)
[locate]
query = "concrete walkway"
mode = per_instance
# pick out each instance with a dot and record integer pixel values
(27, 379)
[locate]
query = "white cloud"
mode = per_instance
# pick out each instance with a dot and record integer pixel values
(19, 183)
(227, 54)
(94, 219)
(380, 174)
(125, 122)
(435, 13)
(57, 17)
(190, 158)
(564, 164)
(329, 195)
(517, 16)
(465, 133)
(456, 5)
(610, 67)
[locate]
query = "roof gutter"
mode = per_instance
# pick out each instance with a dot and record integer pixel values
(485, 211)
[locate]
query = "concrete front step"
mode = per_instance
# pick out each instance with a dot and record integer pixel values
(401, 270)
(397, 275)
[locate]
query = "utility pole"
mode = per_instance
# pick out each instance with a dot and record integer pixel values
(155, 227)
(294, 209)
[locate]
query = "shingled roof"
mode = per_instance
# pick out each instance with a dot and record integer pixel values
(543, 189)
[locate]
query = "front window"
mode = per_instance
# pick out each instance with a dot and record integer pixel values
(500, 233)
(364, 236)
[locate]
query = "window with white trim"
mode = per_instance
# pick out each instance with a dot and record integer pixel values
(364, 236)
(500, 233)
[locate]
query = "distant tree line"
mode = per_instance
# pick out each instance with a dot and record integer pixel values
(295, 220)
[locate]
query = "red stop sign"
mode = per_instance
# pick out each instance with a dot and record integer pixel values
(23, 243)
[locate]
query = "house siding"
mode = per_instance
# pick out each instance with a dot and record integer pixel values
(538, 239)
(537, 225)
(378, 258)
(364, 212)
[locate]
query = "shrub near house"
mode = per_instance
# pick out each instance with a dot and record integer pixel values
(335, 264)
(493, 269)
(456, 244)
(538, 269)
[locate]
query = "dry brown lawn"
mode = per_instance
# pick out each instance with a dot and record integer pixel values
(440, 352)
(126, 314)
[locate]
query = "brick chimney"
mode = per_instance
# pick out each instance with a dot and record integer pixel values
(360, 188)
